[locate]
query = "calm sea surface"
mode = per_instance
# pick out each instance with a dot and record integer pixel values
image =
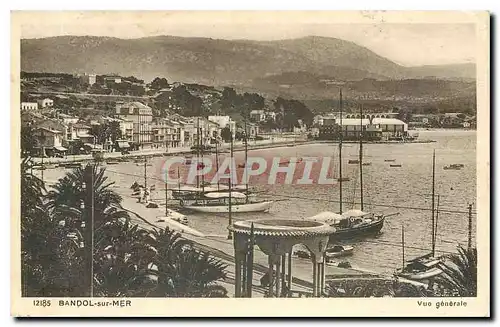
(405, 190)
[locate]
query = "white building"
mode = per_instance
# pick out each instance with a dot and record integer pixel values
(384, 127)
(44, 103)
(223, 122)
(141, 117)
(29, 105)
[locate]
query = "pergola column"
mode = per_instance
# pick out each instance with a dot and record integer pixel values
(249, 264)
(290, 272)
(271, 276)
(283, 274)
(237, 274)
(278, 277)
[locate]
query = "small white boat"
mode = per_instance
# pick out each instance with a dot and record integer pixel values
(218, 202)
(421, 275)
(339, 251)
(454, 167)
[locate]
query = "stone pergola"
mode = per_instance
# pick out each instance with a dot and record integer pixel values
(276, 238)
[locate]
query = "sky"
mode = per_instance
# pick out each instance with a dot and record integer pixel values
(409, 44)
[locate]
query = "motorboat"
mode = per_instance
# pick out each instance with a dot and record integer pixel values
(389, 160)
(454, 167)
(351, 224)
(337, 251)
(395, 165)
(218, 202)
(353, 161)
(367, 163)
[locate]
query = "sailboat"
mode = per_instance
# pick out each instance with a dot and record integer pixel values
(230, 201)
(355, 222)
(427, 266)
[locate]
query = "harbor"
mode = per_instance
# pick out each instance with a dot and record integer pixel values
(405, 191)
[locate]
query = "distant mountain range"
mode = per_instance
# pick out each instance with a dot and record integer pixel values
(222, 62)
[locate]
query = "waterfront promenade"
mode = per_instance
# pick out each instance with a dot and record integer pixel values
(222, 248)
(275, 142)
(237, 146)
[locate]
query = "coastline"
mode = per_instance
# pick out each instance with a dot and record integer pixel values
(238, 147)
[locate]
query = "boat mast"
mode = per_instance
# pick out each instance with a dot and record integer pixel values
(246, 160)
(230, 236)
(433, 195)
(403, 243)
(217, 163)
(197, 150)
(340, 154)
(166, 194)
(145, 179)
(202, 164)
(361, 158)
(179, 179)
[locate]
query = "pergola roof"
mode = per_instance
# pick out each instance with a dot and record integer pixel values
(282, 228)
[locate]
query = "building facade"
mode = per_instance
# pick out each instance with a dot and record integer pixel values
(46, 103)
(29, 105)
(141, 117)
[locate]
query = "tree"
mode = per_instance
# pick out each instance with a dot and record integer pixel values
(459, 277)
(226, 134)
(50, 264)
(374, 287)
(115, 131)
(184, 271)
(289, 112)
(84, 201)
(28, 141)
(128, 261)
(159, 83)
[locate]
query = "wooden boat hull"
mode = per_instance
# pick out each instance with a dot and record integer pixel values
(235, 208)
(423, 275)
(355, 232)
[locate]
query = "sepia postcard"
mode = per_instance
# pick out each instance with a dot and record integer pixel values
(250, 164)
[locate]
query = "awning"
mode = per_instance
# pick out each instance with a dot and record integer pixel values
(123, 144)
(60, 148)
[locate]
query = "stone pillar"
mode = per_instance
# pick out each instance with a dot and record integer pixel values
(249, 271)
(323, 276)
(237, 274)
(270, 273)
(290, 272)
(315, 278)
(244, 274)
(283, 275)
(278, 277)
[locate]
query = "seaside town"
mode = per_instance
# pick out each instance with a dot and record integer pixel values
(246, 164)
(78, 128)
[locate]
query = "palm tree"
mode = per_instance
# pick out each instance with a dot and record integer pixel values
(374, 287)
(459, 277)
(83, 200)
(49, 249)
(124, 260)
(184, 271)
